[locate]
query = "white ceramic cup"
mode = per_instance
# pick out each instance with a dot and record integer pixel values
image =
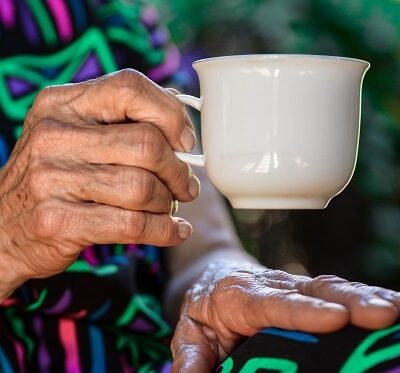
(278, 131)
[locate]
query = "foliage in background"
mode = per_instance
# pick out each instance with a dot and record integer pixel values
(366, 29)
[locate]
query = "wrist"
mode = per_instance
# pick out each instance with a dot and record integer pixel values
(223, 266)
(10, 279)
(213, 264)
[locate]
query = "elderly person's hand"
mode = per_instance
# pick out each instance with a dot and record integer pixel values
(232, 301)
(95, 164)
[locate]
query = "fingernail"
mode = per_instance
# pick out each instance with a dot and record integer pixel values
(194, 186)
(378, 302)
(187, 139)
(184, 230)
(334, 307)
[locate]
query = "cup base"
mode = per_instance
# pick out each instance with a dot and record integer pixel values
(278, 203)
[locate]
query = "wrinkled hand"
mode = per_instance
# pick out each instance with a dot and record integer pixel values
(232, 301)
(95, 164)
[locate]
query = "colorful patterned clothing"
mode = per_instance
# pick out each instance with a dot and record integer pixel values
(103, 313)
(351, 350)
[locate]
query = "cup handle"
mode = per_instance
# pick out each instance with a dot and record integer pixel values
(194, 160)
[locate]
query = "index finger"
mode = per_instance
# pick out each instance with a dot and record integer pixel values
(124, 96)
(369, 307)
(285, 309)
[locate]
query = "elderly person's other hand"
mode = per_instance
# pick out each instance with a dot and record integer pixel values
(232, 300)
(95, 164)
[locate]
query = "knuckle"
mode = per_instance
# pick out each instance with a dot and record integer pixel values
(42, 99)
(46, 99)
(176, 117)
(167, 233)
(149, 144)
(126, 74)
(328, 279)
(141, 188)
(45, 132)
(139, 81)
(38, 179)
(323, 281)
(130, 81)
(40, 132)
(134, 225)
(360, 285)
(182, 177)
(49, 220)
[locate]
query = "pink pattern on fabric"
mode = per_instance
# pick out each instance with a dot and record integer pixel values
(126, 368)
(78, 315)
(7, 13)
(69, 340)
(19, 351)
(20, 356)
(149, 16)
(168, 67)
(9, 302)
(61, 18)
(132, 247)
(89, 256)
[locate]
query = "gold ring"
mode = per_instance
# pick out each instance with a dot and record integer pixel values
(174, 207)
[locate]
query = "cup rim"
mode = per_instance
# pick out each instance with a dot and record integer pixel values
(280, 56)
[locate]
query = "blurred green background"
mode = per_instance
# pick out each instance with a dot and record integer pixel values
(358, 235)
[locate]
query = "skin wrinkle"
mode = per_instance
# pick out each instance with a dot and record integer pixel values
(54, 222)
(283, 307)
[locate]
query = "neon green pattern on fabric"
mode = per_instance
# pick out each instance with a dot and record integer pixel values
(360, 361)
(26, 67)
(280, 365)
(227, 365)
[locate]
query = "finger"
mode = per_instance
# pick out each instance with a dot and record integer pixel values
(244, 310)
(143, 145)
(367, 308)
(138, 145)
(387, 294)
(290, 310)
(191, 350)
(175, 92)
(121, 186)
(390, 296)
(126, 95)
(91, 223)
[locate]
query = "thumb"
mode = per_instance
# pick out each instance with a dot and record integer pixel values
(191, 350)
